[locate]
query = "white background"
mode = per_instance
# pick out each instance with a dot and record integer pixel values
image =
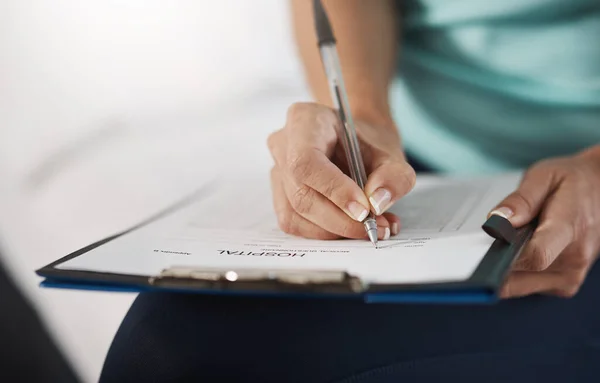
(111, 110)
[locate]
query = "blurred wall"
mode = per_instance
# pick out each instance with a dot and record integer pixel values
(69, 67)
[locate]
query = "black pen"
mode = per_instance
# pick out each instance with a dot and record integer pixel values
(347, 133)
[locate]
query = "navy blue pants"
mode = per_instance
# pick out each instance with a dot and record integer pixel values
(192, 338)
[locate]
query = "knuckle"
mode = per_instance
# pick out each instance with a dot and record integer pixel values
(584, 221)
(507, 290)
(589, 249)
(286, 222)
(572, 283)
(577, 278)
(302, 200)
(579, 174)
(549, 167)
(331, 188)
(272, 141)
(580, 260)
(568, 292)
(300, 113)
(540, 258)
(338, 189)
(410, 177)
(544, 166)
(297, 109)
(348, 230)
(300, 167)
(521, 200)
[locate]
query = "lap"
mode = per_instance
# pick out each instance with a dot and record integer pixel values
(180, 337)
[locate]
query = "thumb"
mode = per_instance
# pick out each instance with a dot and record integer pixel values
(390, 179)
(525, 203)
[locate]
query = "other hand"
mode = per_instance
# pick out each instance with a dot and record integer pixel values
(565, 194)
(312, 193)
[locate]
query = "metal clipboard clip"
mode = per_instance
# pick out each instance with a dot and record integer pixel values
(273, 280)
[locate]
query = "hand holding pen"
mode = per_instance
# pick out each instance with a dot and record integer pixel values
(314, 197)
(314, 193)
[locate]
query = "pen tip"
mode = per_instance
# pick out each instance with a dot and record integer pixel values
(373, 237)
(371, 227)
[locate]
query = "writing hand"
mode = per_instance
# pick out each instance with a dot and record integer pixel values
(313, 195)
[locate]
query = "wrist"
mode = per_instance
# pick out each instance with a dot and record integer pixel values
(377, 115)
(379, 123)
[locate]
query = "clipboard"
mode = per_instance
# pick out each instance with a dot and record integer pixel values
(480, 288)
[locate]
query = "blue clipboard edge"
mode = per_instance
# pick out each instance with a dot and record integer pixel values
(466, 296)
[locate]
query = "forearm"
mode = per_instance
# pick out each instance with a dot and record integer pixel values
(366, 33)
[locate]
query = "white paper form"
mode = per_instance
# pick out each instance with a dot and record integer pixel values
(232, 226)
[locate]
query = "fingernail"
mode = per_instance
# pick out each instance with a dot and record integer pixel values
(503, 212)
(383, 232)
(395, 228)
(380, 200)
(357, 211)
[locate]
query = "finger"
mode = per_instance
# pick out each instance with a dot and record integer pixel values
(572, 281)
(549, 240)
(384, 230)
(524, 204)
(313, 169)
(523, 283)
(555, 231)
(394, 222)
(277, 143)
(289, 221)
(312, 136)
(314, 207)
(573, 265)
(390, 180)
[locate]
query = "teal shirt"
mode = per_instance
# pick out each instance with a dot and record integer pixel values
(494, 85)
